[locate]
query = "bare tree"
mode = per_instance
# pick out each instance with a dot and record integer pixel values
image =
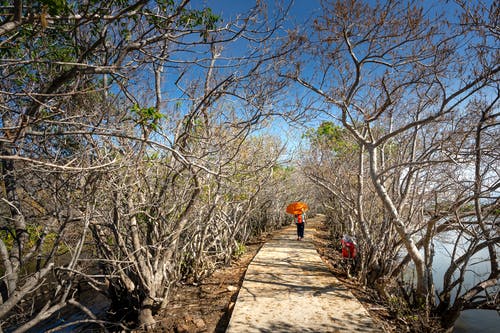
(51, 191)
(163, 172)
(398, 77)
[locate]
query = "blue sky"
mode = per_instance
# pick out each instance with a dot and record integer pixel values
(300, 11)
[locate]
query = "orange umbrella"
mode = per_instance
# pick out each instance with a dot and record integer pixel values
(296, 208)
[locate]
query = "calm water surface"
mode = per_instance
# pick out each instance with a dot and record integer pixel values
(470, 321)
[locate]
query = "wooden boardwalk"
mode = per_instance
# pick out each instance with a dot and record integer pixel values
(288, 288)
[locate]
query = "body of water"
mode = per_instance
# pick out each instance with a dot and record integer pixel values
(470, 321)
(478, 321)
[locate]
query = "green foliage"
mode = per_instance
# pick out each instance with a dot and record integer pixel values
(55, 7)
(34, 41)
(331, 137)
(283, 168)
(330, 131)
(240, 250)
(7, 237)
(167, 3)
(35, 233)
(153, 156)
(205, 19)
(282, 172)
(199, 18)
(148, 116)
(49, 243)
(398, 305)
(467, 208)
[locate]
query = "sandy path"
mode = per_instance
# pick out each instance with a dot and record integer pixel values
(287, 288)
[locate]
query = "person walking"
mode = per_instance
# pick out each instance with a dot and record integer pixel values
(300, 226)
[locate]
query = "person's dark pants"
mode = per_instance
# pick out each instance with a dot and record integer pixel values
(300, 230)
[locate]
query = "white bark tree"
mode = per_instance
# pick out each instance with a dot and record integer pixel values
(399, 77)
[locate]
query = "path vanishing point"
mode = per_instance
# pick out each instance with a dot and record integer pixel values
(288, 288)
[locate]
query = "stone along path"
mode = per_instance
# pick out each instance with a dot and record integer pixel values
(288, 288)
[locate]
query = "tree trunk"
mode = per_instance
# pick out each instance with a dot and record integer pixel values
(146, 319)
(399, 225)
